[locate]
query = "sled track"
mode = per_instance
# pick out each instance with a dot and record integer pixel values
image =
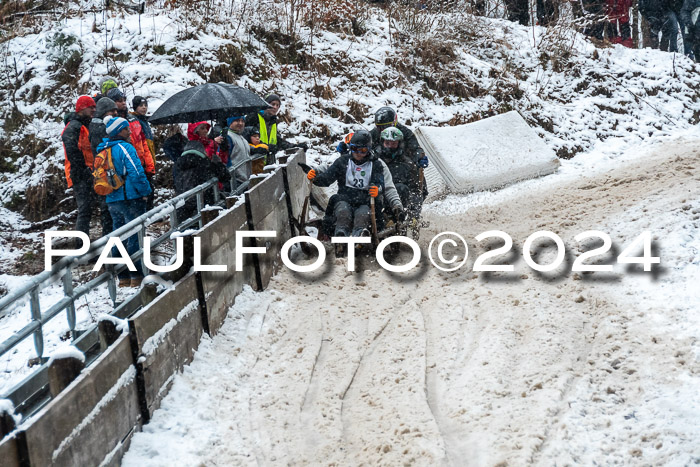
(449, 368)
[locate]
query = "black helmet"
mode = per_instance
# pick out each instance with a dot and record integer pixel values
(361, 138)
(385, 116)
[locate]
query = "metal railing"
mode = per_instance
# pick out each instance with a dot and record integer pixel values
(63, 269)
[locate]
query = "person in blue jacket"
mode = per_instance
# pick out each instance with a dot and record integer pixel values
(128, 202)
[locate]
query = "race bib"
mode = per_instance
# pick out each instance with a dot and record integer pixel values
(357, 176)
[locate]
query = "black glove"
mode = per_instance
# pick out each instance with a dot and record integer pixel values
(305, 167)
(399, 214)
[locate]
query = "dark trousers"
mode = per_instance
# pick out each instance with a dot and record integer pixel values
(692, 41)
(350, 223)
(518, 11)
(124, 212)
(668, 26)
(547, 12)
(87, 200)
(152, 196)
(350, 219)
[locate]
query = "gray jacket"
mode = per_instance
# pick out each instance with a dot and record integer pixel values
(239, 153)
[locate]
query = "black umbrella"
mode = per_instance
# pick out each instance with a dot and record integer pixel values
(211, 101)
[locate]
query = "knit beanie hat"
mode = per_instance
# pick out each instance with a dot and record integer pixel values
(115, 94)
(104, 105)
(273, 97)
(230, 120)
(137, 101)
(108, 83)
(196, 148)
(84, 102)
(115, 125)
(250, 131)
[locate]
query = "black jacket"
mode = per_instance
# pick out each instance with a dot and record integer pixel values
(194, 169)
(79, 172)
(655, 11)
(403, 169)
(98, 130)
(411, 147)
(686, 12)
(337, 173)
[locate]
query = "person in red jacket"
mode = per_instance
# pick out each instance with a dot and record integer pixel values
(200, 132)
(137, 135)
(618, 27)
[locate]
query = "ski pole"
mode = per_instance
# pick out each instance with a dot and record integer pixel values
(373, 215)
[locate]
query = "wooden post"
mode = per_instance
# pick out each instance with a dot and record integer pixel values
(187, 263)
(258, 166)
(209, 215)
(634, 25)
(62, 372)
(231, 201)
(108, 333)
(7, 424)
(283, 159)
(148, 293)
(254, 181)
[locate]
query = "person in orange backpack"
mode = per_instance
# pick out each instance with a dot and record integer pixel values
(138, 138)
(78, 164)
(128, 201)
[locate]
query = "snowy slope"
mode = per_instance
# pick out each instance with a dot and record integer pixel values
(464, 69)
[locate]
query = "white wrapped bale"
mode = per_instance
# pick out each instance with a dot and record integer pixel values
(484, 155)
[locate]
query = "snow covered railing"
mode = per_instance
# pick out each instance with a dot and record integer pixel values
(63, 269)
(92, 414)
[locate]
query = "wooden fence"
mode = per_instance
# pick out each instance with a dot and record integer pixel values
(91, 420)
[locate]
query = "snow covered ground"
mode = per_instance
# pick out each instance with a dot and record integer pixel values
(458, 368)
(435, 367)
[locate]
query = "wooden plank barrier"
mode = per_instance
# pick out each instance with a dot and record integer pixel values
(92, 420)
(165, 334)
(297, 182)
(266, 207)
(218, 242)
(9, 453)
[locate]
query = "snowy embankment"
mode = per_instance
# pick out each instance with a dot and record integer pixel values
(514, 368)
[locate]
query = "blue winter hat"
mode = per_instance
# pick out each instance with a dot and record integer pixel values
(230, 120)
(115, 125)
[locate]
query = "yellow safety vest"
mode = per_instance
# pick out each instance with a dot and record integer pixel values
(263, 132)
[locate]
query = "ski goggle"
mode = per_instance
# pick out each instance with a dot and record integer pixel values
(360, 149)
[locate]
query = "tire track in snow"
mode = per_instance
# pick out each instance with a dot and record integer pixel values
(369, 349)
(451, 342)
